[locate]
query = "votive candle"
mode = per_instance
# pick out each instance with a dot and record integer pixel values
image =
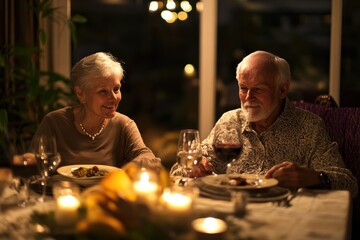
(177, 202)
(67, 210)
(209, 228)
(67, 202)
(146, 190)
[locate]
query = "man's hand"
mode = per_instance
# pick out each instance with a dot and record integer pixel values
(292, 175)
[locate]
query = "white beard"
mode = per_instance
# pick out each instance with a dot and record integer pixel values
(255, 115)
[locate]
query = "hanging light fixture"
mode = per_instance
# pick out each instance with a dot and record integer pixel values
(171, 10)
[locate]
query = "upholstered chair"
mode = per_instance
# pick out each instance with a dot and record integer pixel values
(343, 124)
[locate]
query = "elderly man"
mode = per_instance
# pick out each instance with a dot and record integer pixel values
(279, 140)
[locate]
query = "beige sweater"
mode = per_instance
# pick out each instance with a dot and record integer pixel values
(119, 143)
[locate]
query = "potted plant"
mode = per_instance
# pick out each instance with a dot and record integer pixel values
(27, 91)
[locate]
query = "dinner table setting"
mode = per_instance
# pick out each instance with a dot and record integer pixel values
(135, 202)
(176, 212)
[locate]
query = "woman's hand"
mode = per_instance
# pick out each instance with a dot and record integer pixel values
(292, 175)
(203, 168)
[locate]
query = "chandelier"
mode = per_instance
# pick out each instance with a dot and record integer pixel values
(171, 10)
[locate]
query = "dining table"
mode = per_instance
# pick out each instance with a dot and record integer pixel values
(301, 215)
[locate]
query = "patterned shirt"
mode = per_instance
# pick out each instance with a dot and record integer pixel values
(296, 136)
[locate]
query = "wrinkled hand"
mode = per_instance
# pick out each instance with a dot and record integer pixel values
(292, 175)
(203, 168)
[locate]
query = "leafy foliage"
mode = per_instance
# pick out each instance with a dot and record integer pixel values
(28, 92)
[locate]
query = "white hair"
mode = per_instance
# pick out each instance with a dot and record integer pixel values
(97, 65)
(282, 71)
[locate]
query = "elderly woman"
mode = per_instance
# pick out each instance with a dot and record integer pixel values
(93, 132)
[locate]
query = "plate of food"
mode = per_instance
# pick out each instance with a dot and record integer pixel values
(86, 174)
(239, 181)
(260, 195)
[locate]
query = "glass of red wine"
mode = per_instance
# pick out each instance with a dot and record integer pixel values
(227, 144)
(23, 165)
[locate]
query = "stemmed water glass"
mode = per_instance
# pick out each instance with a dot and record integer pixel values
(188, 150)
(47, 159)
(227, 144)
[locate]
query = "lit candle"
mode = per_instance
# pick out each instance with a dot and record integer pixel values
(177, 202)
(176, 208)
(67, 203)
(209, 228)
(146, 190)
(67, 210)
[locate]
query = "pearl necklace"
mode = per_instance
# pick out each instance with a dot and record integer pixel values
(95, 134)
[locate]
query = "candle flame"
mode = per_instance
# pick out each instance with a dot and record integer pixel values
(144, 177)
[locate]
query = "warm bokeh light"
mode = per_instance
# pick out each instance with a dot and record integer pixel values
(173, 9)
(182, 16)
(199, 6)
(186, 6)
(168, 16)
(153, 6)
(173, 17)
(189, 70)
(170, 4)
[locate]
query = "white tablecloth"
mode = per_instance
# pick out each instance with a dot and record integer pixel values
(312, 215)
(15, 221)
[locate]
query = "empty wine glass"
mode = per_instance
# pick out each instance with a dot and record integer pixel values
(188, 150)
(47, 158)
(227, 144)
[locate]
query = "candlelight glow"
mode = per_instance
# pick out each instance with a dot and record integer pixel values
(146, 188)
(209, 225)
(178, 202)
(67, 210)
(68, 201)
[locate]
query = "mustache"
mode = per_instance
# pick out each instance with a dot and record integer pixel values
(252, 105)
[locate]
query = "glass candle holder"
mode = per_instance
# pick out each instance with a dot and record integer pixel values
(146, 186)
(209, 228)
(177, 206)
(67, 201)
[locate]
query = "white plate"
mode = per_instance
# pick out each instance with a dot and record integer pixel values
(262, 195)
(254, 181)
(85, 181)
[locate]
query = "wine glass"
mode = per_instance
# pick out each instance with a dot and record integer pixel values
(23, 166)
(188, 150)
(5, 180)
(227, 144)
(47, 158)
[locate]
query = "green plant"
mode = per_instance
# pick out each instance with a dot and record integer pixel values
(28, 92)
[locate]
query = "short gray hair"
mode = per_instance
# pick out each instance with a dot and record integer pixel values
(97, 65)
(282, 75)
